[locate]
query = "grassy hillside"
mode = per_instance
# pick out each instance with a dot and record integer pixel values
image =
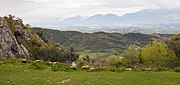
(99, 41)
(21, 74)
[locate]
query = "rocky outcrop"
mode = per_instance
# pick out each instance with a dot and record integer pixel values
(9, 45)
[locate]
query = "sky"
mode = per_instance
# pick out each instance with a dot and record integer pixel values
(34, 11)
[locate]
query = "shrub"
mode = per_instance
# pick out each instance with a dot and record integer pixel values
(120, 70)
(1, 61)
(60, 67)
(57, 53)
(96, 70)
(115, 61)
(118, 64)
(9, 61)
(82, 63)
(177, 69)
(163, 69)
(111, 69)
(38, 65)
(138, 69)
(132, 56)
(116, 69)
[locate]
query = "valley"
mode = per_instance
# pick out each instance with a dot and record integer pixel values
(89, 42)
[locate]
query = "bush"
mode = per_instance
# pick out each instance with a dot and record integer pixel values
(1, 61)
(82, 63)
(57, 53)
(120, 70)
(60, 67)
(115, 61)
(9, 61)
(118, 64)
(111, 69)
(138, 69)
(38, 65)
(177, 69)
(163, 69)
(116, 69)
(96, 70)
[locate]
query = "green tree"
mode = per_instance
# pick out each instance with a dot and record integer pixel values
(115, 61)
(158, 55)
(132, 56)
(174, 44)
(58, 54)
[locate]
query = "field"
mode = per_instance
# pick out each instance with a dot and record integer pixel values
(21, 75)
(95, 54)
(91, 54)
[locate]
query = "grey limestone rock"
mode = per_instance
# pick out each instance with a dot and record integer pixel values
(9, 45)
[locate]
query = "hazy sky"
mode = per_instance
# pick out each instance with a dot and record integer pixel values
(33, 11)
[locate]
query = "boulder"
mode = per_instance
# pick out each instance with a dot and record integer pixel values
(23, 61)
(85, 67)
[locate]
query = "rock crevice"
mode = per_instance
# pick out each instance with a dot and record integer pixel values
(9, 45)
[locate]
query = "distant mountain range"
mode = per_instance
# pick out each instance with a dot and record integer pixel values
(147, 16)
(159, 20)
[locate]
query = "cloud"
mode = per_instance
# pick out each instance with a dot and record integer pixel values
(37, 10)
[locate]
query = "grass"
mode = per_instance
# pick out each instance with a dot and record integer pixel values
(95, 54)
(19, 74)
(91, 54)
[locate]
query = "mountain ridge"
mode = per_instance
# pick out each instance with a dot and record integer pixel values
(146, 21)
(97, 41)
(146, 16)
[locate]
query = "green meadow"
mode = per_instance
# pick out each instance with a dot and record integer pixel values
(19, 74)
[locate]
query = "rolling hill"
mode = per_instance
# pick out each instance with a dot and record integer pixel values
(98, 41)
